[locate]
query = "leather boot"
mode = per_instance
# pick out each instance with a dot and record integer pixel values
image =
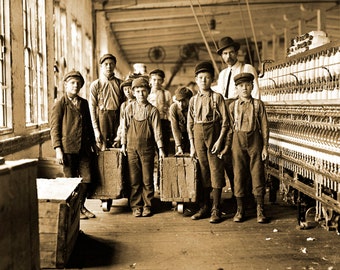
(240, 214)
(203, 212)
(261, 217)
(84, 213)
(215, 212)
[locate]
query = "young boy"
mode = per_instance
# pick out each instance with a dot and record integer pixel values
(125, 86)
(141, 133)
(249, 144)
(73, 136)
(178, 119)
(161, 98)
(105, 100)
(208, 124)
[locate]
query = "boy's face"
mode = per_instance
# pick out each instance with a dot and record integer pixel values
(107, 67)
(141, 94)
(229, 56)
(156, 81)
(204, 80)
(72, 86)
(128, 92)
(183, 103)
(244, 89)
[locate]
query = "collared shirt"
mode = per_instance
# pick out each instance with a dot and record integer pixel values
(244, 116)
(161, 99)
(259, 120)
(201, 110)
(140, 112)
(237, 68)
(104, 95)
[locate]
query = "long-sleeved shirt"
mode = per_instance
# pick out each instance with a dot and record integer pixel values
(246, 116)
(178, 120)
(203, 108)
(105, 94)
(237, 68)
(142, 112)
(161, 99)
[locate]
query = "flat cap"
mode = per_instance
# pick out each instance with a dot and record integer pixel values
(158, 72)
(205, 67)
(183, 93)
(74, 74)
(227, 42)
(127, 82)
(107, 56)
(243, 77)
(140, 82)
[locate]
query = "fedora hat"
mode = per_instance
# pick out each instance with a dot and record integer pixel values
(226, 42)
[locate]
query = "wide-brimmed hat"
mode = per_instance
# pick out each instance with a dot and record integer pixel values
(74, 74)
(226, 42)
(205, 66)
(243, 77)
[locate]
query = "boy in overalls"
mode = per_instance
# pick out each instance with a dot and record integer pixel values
(141, 133)
(249, 145)
(208, 124)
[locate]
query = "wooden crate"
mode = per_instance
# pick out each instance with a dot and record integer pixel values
(19, 233)
(59, 212)
(178, 181)
(109, 180)
(48, 167)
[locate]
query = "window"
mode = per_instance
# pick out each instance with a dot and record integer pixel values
(5, 101)
(35, 62)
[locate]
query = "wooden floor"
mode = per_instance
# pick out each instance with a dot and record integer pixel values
(170, 240)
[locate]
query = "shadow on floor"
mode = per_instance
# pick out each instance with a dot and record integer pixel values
(91, 251)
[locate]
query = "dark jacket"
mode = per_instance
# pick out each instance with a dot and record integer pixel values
(71, 127)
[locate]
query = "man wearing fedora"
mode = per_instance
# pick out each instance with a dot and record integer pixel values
(228, 49)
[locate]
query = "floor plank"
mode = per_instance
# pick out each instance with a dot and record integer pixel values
(170, 240)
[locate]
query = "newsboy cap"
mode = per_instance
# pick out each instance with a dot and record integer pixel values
(243, 77)
(140, 82)
(107, 56)
(183, 93)
(158, 72)
(226, 42)
(74, 74)
(205, 67)
(127, 82)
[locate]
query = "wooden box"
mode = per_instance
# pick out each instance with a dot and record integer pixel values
(48, 167)
(59, 212)
(178, 181)
(19, 233)
(109, 180)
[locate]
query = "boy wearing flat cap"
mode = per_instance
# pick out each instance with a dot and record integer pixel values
(161, 98)
(248, 141)
(228, 49)
(141, 134)
(208, 124)
(105, 100)
(73, 137)
(125, 86)
(178, 119)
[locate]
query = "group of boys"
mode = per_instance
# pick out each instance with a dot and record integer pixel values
(229, 121)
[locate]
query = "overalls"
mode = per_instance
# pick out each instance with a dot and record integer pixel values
(140, 156)
(246, 152)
